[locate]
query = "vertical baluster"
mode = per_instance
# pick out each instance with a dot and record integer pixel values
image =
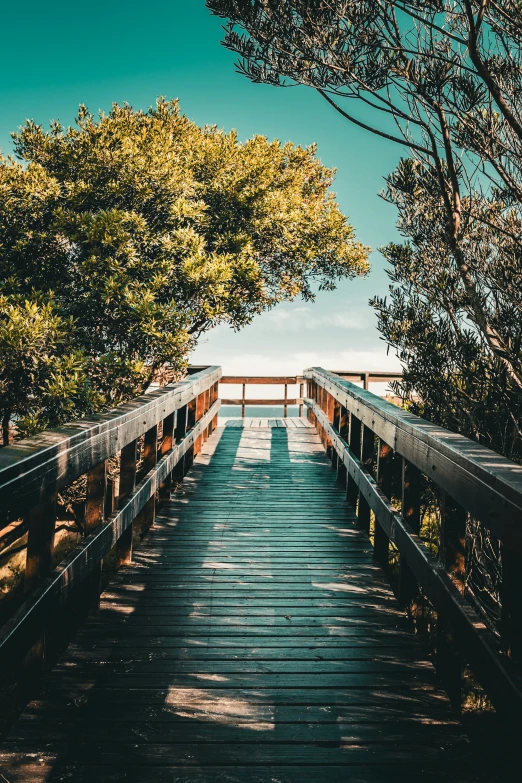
(39, 564)
(40, 542)
(336, 416)
(285, 406)
(367, 457)
(180, 431)
(320, 406)
(301, 394)
(191, 420)
(200, 409)
(243, 398)
(452, 555)
(330, 416)
(381, 542)
(343, 432)
(94, 517)
(511, 598)
(206, 431)
(128, 460)
(452, 550)
(355, 447)
(145, 518)
(166, 446)
(411, 513)
(214, 394)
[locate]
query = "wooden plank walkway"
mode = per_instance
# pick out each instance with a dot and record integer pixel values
(253, 640)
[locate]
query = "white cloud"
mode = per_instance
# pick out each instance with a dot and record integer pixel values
(298, 318)
(295, 363)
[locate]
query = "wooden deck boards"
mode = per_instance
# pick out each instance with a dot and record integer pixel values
(252, 640)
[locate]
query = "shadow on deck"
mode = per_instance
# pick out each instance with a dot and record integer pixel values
(253, 638)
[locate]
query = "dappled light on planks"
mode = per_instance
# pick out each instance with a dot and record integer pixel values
(252, 640)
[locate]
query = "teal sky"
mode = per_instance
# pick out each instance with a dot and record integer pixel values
(57, 55)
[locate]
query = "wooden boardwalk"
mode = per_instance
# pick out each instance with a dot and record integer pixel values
(252, 640)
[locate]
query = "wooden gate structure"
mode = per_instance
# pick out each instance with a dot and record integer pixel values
(249, 631)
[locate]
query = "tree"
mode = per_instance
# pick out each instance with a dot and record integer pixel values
(443, 80)
(135, 232)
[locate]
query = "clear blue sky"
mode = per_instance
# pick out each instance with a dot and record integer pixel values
(57, 55)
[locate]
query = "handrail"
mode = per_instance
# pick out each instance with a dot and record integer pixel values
(367, 377)
(60, 455)
(362, 433)
(32, 472)
(488, 485)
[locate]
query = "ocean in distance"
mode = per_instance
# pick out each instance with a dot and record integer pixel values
(257, 411)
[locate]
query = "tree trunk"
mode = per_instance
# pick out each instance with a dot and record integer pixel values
(5, 428)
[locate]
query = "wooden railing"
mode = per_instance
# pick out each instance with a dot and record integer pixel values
(33, 471)
(285, 380)
(365, 436)
(368, 377)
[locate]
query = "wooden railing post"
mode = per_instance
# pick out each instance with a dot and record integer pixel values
(39, 564)
(381, 542)
(367, 457)
(213, 398)
(411, 513)
(200, 410)
(285, 406)
(94, 517)
(511, 596)
(336, 423)
(344, 419)
(329, 410)
(452, 546)
(180, 431)
(146, 517)
(452, 543)
(167, 442)
(40, 542)
(243, 398)
(191, 420)
(355, 430)
(128, 461)
(301, 393)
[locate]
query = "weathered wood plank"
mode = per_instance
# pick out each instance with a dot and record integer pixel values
(252, 639)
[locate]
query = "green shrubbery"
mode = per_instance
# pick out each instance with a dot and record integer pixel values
(126, 237)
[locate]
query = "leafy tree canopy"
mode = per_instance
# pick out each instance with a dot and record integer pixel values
(443, 79)
(126, 237)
